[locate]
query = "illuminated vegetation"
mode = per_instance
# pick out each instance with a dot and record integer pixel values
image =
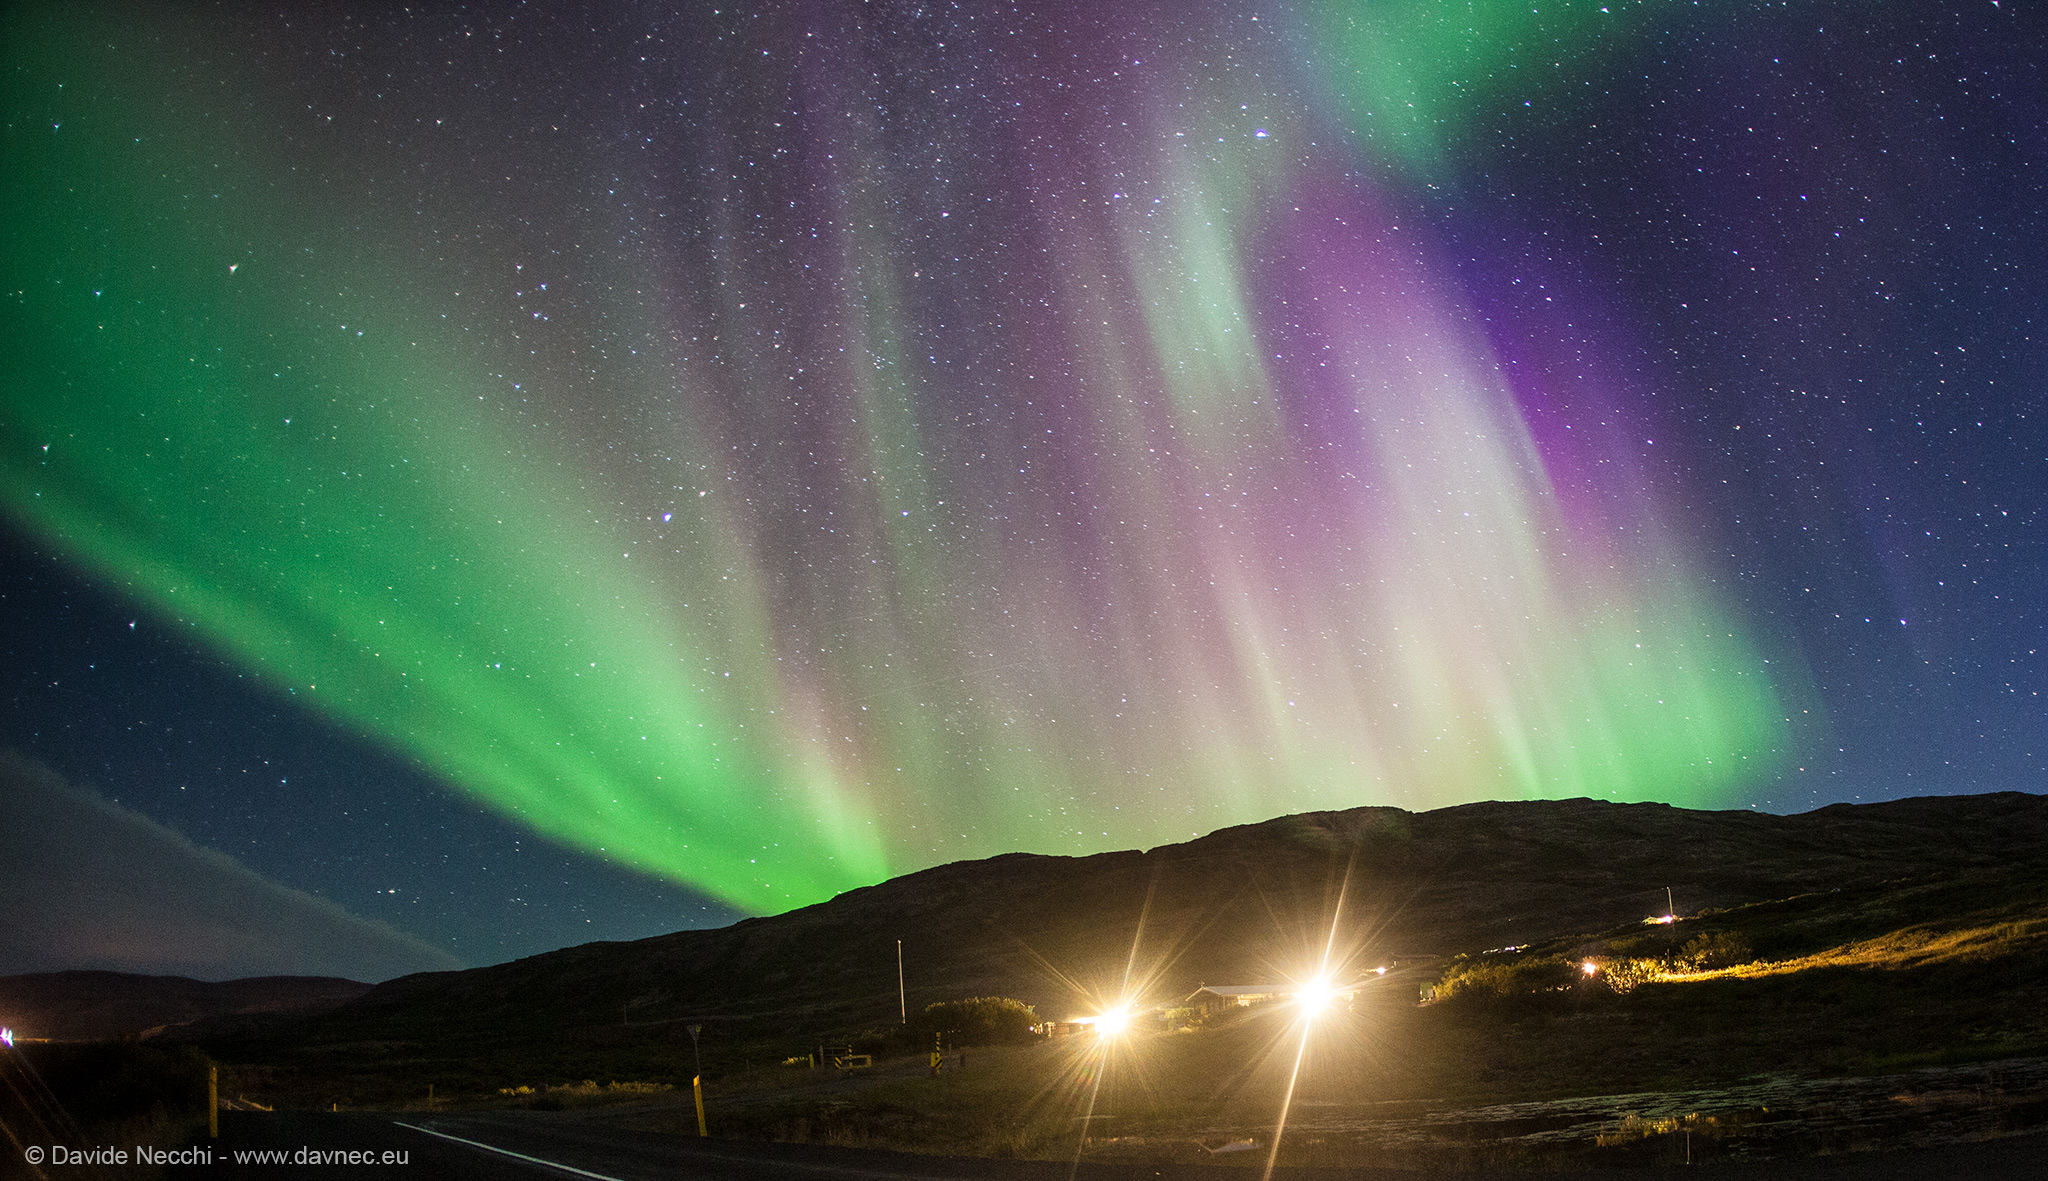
(1851, 943)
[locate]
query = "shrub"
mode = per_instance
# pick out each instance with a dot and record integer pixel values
(1714, 949)
(1626, 975)
(979, 1021)
(1500, 980)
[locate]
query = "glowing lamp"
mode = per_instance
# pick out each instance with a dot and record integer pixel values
(1316, 996)
(1589, 967)
(1113, 1022)
(6, 1035)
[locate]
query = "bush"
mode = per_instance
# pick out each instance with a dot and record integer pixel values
(1714, 949)
(978, 1021)
(1500, 980)
(1624, 976)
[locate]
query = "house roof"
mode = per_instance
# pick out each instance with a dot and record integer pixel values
(1241, 990)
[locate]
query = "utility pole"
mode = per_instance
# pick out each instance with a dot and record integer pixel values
(902, 1002)
(1670, 907)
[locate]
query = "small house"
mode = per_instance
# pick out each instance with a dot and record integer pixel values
(1216, 998)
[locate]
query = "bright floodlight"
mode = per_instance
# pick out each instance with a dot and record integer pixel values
(1113, 1022)
(1589, 967)
(1316, 996)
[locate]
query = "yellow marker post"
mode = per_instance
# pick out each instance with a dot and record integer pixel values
(213, 1103)
(697, 1079)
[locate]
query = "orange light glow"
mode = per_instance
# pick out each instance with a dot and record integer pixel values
(1316, 996)
(1114, 1022)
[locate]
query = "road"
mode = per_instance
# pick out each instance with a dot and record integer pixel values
(525, 1145)
(518, 1146)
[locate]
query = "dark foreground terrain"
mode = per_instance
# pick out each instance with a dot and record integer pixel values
(1241, 905)
(506, 1147)
(1854, 983)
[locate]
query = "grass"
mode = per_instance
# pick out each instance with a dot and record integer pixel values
(1942, 992)
(1870, 979)
(1919, 945)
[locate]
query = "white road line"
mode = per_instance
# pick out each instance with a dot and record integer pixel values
(508, 1152)
(820, 1167)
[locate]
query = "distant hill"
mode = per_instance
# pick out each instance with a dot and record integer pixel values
(1244, 904)
(81, 1006)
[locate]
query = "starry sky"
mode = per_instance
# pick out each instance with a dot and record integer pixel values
(515, 477)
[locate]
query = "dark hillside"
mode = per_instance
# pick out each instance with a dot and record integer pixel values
(81, 1006)
(1243, 904)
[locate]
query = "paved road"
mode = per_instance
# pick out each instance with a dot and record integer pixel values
(519, 1146)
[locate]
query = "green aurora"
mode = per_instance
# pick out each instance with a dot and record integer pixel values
(777, 569)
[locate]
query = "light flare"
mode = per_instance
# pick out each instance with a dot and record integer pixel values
(1316, 997)
(1113, 1022)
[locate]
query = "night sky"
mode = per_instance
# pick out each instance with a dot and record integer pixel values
(523, 477)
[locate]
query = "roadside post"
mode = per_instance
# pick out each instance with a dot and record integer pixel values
(697, 1080)
(213, 1102)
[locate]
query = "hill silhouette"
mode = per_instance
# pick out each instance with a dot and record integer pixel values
(1245, 904)
(84, 1005)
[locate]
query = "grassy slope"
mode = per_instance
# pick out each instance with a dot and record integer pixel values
(1899, 933)
(1964, 987)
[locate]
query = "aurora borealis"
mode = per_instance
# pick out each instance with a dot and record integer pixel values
(778, 448)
